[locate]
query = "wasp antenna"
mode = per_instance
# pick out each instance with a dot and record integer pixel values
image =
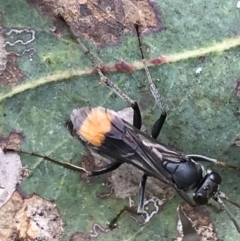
(224, 207)
(152, 86)
(66, 165)
(199, 158)
(223, 164)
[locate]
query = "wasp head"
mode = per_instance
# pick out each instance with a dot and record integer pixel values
(207, 188)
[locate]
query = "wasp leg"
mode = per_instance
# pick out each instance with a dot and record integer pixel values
(108, 168)
(67, 165)
(141, 193)
(157, 127)
(112, 225)
(159, 123)
(137, 118)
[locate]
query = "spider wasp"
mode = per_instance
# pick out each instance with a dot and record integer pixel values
(103, 132)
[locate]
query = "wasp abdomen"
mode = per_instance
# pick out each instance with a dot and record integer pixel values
(94, 124)
(185, 174)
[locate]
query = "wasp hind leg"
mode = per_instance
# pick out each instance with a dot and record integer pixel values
(157, 127)
(137, 120)
(159, 123)
(108, 168)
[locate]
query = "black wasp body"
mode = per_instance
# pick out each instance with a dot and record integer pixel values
(103, 132)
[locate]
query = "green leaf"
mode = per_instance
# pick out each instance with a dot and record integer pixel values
(40, 88)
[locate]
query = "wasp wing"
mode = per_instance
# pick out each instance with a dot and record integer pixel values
(127, 144)
(105, 133)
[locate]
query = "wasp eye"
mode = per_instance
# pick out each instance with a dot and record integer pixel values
(200, 199)
(215, 177)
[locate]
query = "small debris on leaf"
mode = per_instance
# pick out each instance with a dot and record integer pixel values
(10, 175)
(198, 70)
